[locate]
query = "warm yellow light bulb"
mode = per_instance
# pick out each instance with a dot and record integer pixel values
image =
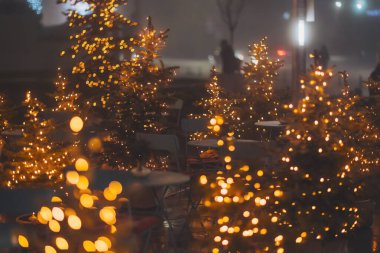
(61, 243)
(101, 246)
(46, 213)
(86, 201)
(115, 187)
(58, 214)
(89, 246)
(106, 240)
(83, 183)
(74, 222)
(108, 215)
(76, 124)
(81, 164)
(109, 195)
(203, 179)
(49, 249)
(72, 177)
(23, 241)
(54, 226)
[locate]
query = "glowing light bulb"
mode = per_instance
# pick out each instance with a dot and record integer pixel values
(74, 222)
(76, 124)
(23, 242)
(81, 164)
(61, 243)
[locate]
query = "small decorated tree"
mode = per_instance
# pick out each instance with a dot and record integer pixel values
(96, 47)
(216, 104)
(66, 99)
(241, 200)
(137, 103)
(322, 164)
(260, 73)
(81, 219)
(37, 160)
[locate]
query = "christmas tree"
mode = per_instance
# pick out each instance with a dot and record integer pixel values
(260, 74)
(4, 124)
(96, 47)
(80, 219)
(37, 160)
(322, 164)
(66, 100)
(241, 198)
(216, 105)
(137, 103)
(4, 114)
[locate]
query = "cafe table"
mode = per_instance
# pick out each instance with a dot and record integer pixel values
(158, 181)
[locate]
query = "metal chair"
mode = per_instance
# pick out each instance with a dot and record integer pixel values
(175, 111)
(163, 142)
(194, 125)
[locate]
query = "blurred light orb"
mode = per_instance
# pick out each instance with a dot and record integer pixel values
(41, 219)
(106, 240)
(109, 195)
(56, 199)
(23, 242)
(338, 4)
(83, 183)
(95, 145)
(69, 211)
(72, 177)
(58, 214)
(76, 124)
(89, 246)
(46, 213)
(61, 243)
(81, 164)
(74, 222)
(101, 246)
(86, 201)
(286, 15)
(49, 249)
(115, 187)
(108, 215)
(54, 226)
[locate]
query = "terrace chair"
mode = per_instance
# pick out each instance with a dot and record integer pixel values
(189, 126)
(174, 113)
(163, 142)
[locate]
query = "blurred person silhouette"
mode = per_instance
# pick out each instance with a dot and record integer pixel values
(316, 56)
(230, 64)
(324, 57)
(375, 77)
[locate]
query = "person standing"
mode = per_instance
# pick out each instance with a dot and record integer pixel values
(228, 58)
(374, 89)
(324, 57)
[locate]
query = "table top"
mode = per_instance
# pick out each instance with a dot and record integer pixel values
(207, 143)
(273, 123)
(213, 143)
(154, 179)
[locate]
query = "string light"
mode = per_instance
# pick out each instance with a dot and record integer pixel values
(39, 160)
(259, 104)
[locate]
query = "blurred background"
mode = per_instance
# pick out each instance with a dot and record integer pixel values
(34, 31)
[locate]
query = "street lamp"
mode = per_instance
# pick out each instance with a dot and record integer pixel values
(301, 32)
(360, 5)
(338, 4)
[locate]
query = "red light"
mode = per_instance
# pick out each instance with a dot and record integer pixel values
(281, 52)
